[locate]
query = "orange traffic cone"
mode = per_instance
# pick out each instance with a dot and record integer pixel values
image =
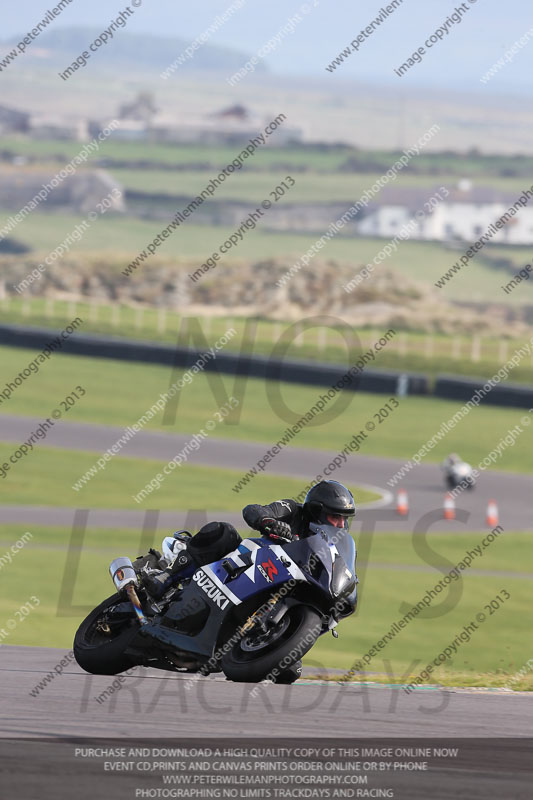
(402, 503)
(449, 507)
(492, 514)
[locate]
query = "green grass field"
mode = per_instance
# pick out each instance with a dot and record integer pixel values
(69, 582)
(46, 475)
(119, 393)
(474, 165)
(422, 641)
(311, 187)
(207, 158)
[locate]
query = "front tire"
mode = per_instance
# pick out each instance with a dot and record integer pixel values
(101, 652)
(257, 656)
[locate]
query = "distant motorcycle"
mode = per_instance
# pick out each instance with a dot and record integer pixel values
(460, 474)
(252, 615)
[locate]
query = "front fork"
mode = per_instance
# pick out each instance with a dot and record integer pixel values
(267, 613)
(272, 612)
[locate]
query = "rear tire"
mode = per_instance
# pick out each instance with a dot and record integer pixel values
(254, 657)
(100, 653)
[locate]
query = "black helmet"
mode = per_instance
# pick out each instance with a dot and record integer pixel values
(329, 501)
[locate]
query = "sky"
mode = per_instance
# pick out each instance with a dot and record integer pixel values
(489, 28)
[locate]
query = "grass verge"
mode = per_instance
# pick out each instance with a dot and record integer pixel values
(45, 477)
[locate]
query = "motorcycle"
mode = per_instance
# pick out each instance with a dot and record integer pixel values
(460, 474)
(252, 615)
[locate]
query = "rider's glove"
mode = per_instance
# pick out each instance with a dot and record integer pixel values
(277, 530)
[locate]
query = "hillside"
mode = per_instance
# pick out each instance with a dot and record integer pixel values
(62, 46)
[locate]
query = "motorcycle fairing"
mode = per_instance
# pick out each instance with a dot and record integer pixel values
(261, 567)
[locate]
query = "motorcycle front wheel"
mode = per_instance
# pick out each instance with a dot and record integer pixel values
(259, 655)
(101, 640)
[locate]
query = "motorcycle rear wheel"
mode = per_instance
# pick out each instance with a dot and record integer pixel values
(257, 656)
(102, 653)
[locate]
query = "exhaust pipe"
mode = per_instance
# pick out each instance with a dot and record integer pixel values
(122, 573)
(125, 577)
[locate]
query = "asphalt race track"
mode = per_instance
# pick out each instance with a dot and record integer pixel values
(424, 484)
(40, 735)
(152, 703)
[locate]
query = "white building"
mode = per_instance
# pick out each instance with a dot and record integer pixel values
(462, 216)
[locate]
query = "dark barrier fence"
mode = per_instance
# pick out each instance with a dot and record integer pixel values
(508, 394)
(245, 364)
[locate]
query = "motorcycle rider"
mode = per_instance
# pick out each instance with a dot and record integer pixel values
(451, 461)
(281, 521)
(457, 472)
(328, 502)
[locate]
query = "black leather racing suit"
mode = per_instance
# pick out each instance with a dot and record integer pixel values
(288, 511)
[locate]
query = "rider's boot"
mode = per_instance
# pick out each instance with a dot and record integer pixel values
(289, 674)
(156, 585)
(183, 566)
